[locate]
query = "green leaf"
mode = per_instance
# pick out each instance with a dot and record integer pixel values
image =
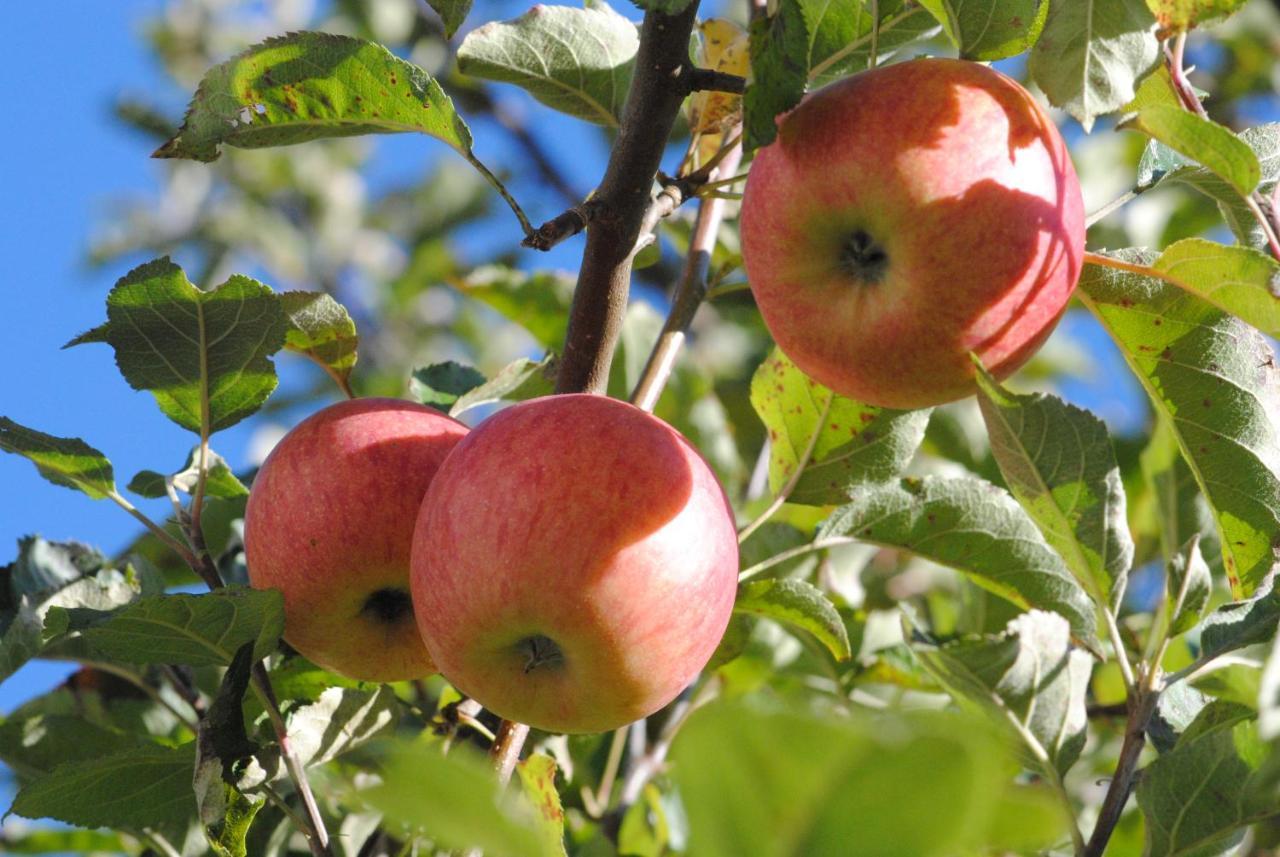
(1230, 682)
(456, 800)
(990, 29)
(34, 746)
(775, 782)
(452, 13)
(1202, 140)
(1030, 677)
(203, 355)
(1269, 696)
(440, 385)
(1182, 15)
(1160, 163)
(538, 301)
(840, 34)
(577, 61)
(1214, 378)
(1091, 53)
(975, 528)
(197, 630)
(1180, 509)
(857, 442)
(221, 743)
(321, 328)
(48, 576)
(1058, 461)
(779, 71)
(517, 381)
(220, 481)
(308, 86)
(538, 779)
(1241, 623)
(144, 787)
(799, 604)
(43, 841)
(1207, 787)
(1239, 280)
(69, 462)
(1188, 586)
(341, 720)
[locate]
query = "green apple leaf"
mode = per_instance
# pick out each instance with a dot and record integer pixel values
(576, 61)
(537, 301)
(1180, 509)
(203, 355)
(341, 720)
(1230, 682)
(321, 328)
(221, 743)
(1202, 140)
(1188, 587)
(45, 841)
(1059, 463)
(841, 34)
(800, 605)
(456, 799)
(1207, 788)
(975, 528)
(990, 29)
(219, 481)
(771, 781)
(1241, 623)
(1239, 280)
(48, 576)
(1269, 696)
(1176, 709)
(197, 630)
(440, 385)
(1214, 378)
(856, 442)
(143, 787)
(517, 381)
(780, 45)
(1182, 15)
(452, 13)
(33, 746)
(1159, 163)
(1030, 677)
(538, 779)
(69, 462)
(308, 86)
(1091, 53)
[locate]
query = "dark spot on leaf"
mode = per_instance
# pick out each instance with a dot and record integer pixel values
(1207, 403)
(1157, 322)
(1167, 354)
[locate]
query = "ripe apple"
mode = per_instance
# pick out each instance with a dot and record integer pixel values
(330, 522)
(905, 217)
(574, 564)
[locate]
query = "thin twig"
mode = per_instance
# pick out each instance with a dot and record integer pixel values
(1142, 704)
(600, 801)
(1117, 643)
(1125, 198)
(710, 80)
(778, 559)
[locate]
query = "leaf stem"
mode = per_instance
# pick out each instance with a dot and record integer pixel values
(1117, 643)
(604, 793)
(778, 559)
(497, 185)
(794, 479)
(1125, 198)
(156, 530)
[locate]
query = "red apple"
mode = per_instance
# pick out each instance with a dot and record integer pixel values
(906, 217)
(330, 523)
(574, 564)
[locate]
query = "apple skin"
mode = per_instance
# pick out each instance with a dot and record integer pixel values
(575, 564)
(330, 524)
(908, 216)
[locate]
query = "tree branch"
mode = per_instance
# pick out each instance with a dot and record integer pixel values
(710, 80)
(657, 90)
(1142, 702)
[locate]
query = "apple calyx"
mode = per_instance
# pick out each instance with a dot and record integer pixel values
(864, 258)
(389, 605)
(540, 651)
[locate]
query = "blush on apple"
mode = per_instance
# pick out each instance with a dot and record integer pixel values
(330, 522)
(574, 564)
(908, 216)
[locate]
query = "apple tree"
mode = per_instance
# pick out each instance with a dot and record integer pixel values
(986, 620)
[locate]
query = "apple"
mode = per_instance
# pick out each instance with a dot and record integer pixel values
(906, 217)
(330, 522)
(574, 564)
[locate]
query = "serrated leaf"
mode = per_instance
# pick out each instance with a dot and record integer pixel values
(840, 34)
(1206, 788)
(517, 381)
(69, 462)
(537, 301)
(219, 482)
(990, 29)
(1058, 461)
(576, 61)
(975, 528)
(341, 720)
(1188, 587)
(857, 442)
(452, 13)
(203, 355)
(1202, 140)
(779, 49)
(1239, 280)
(145, 787)
(1214, 378)
(321, 328)
(1160, 163)
(1091, 53)
(196, 630)
(442, 384)
(457, 799)
(308, 86)
(538, 779)
(798, 604)
(1178, 16)
(1241, 623)
(1030, 677)
(33, 746)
